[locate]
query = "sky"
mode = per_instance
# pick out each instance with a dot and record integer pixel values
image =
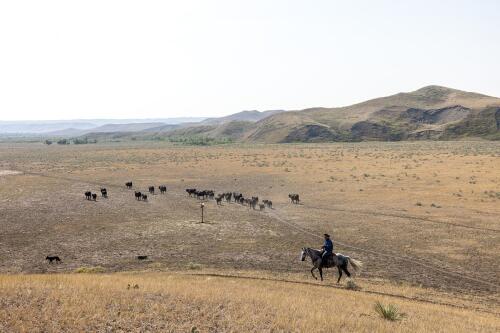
(158, 59)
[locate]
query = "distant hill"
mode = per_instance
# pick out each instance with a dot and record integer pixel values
(251, 116)
(432, 112)
(80, 127)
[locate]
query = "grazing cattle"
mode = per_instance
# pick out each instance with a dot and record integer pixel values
(241, 200)
(219, 200)
(253, 202)
(191, 191)
(228, 196)
(262, 206)
(88, 195)
(237, 196)
(294, 198)
(52, 258)
(94, 196)
(142, 257)
(128, 184)
(210, 194)
(138, 195)
(151, 189)
(268, 203)
(162, 189)
(144, 197)
(104, 193)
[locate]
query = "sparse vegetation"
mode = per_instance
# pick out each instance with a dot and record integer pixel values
(389, 312)
(90, 270)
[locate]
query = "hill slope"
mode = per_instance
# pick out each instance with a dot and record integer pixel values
(431, 112)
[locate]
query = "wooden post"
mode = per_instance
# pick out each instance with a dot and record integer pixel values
(202, 206)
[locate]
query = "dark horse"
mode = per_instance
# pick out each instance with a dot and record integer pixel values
(337, 260)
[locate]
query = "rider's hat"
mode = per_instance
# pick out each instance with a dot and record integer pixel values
(327, 235)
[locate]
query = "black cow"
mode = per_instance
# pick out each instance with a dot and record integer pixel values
(218, 200)
(138, 195)
(144, 197)
(142, 257)
(191, 191)
(94, 196)
(128, 184)
(294, 198)
(162, 189)
(88, 195)
(152, 189)
(268, 203)
(53, 258)
(104, 193)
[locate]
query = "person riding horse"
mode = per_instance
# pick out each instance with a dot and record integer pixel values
(327, 248)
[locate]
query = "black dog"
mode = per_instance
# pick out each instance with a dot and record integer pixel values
(52, 258)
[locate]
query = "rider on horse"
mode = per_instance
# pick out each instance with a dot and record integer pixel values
(327, 248)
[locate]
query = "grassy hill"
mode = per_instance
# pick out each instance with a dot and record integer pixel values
(432, 112)
(429, 113)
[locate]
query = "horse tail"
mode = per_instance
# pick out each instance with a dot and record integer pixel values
(356, 264)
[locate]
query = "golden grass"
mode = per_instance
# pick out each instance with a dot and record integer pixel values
(176, 303)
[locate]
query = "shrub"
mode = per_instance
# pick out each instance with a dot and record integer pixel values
(194, 266)
(96, 269)
(351, 285)
(389, 312)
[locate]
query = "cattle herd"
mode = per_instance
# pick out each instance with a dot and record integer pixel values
(237, 197)
(138, 195)
(251, 202)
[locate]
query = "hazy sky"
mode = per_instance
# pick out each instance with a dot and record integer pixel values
(137, 59)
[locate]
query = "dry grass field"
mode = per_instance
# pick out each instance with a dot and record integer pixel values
(422, 216)
(179, 303)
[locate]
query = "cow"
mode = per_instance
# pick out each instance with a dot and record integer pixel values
(162, 189)
(94, 196)
(218, 200)
(138, 195)
(294, 198)
(128, 184)
(104, 193)
(142, 257)
(144, 197)
(88, 195)
(191, 191)
(152, 189)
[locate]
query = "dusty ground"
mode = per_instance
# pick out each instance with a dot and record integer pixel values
(423, 214)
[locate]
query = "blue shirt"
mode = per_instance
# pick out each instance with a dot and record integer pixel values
(328, 245)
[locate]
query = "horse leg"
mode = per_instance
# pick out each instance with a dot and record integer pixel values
(314, 276)
(340, 274)
(346, 271)
(321, 273)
